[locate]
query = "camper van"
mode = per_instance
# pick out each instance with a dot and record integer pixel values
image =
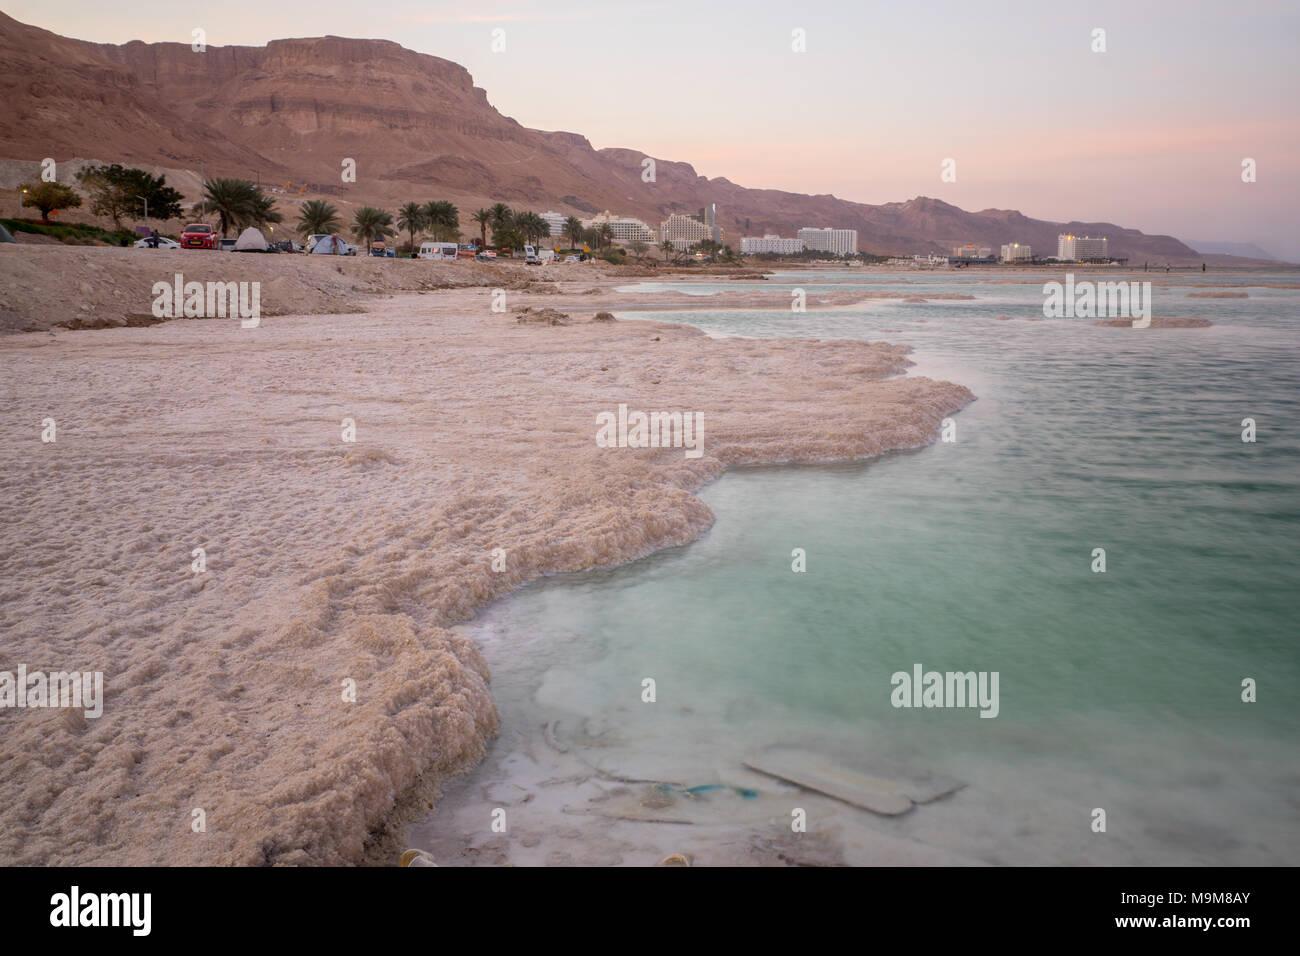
(438, 250)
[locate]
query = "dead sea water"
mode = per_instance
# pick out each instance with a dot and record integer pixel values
(1120, 690)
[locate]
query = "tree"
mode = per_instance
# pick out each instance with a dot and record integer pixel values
(638, 248)
(261, 210)
(411, 217)
(370, 224)
(120, 192)
(482, 217)
(503, 217)
(508, 237)
(230, 200)
(442, 218)
(48, 197)
(604, 234)
(532, 226)
(573, 229)
(316, 217)
(710, 247)
(238, 204)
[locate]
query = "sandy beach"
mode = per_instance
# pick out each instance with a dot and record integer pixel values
(333, 566)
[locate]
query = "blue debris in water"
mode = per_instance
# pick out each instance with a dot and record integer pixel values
(702, 788)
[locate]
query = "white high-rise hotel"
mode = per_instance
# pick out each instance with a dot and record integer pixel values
(771, 243)
(1080, 248)
(842, 242)
(557, 221)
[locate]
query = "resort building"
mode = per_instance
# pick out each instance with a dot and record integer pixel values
(623, 228)
(1012, 251)
(842, 242)
(684, 229)
(556, 221)
(711, 220)
(971, 251)
(770, 243)
(1081, 249)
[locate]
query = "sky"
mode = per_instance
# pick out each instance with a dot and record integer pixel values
(1149, 134)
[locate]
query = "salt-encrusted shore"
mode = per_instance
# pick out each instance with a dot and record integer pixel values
(330, 561)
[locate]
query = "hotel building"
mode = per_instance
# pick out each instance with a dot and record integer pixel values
(1081, 248)
(1013, 251)
(684, 231)
(624, 229)
(556, 221)
(842, 242)
(769, 243)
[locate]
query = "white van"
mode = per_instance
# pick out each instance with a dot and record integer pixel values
(437, 250)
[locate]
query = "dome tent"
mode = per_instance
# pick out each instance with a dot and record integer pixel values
(4, 235)
(330, 246)
(251, 240)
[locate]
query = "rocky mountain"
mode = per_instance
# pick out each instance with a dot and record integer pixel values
(417, 128)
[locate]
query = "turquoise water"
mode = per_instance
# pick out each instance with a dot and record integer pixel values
(1120, 690)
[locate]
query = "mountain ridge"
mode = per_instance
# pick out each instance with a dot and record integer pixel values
(418, 128)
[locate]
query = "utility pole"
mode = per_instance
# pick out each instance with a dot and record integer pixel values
(146, 209)
(203, 192)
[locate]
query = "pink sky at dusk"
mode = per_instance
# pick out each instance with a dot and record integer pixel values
(1149, 134)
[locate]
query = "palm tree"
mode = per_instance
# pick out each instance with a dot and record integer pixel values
(261, 210)
(604, 234)
(482, 217)
(317, 217)
(502, 218)
(543, 227)
(667, 248)
(370, 223)
(532, 226)
(573, 229)
(443, 219)
(230, 200)
(411, 217)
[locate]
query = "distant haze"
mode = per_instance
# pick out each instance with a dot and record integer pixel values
(1150, 133)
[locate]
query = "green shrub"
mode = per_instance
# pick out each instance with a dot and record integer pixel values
(70, 232)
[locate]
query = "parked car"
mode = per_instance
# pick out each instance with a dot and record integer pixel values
(226, 245)
(572, 258)
(199, 235)
(288, 245)
(163, 243)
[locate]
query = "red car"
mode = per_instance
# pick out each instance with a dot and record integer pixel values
(199, 236)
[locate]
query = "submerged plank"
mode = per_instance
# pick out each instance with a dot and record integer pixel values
(814, 771)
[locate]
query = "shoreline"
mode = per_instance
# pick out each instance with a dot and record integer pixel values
(376, 597)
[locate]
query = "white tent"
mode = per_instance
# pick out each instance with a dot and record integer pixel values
(330, 246)
(250, 240)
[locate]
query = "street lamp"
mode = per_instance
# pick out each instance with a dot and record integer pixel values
(146, 209)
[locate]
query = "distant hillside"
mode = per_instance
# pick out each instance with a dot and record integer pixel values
(419, 129)
(1246, 250)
